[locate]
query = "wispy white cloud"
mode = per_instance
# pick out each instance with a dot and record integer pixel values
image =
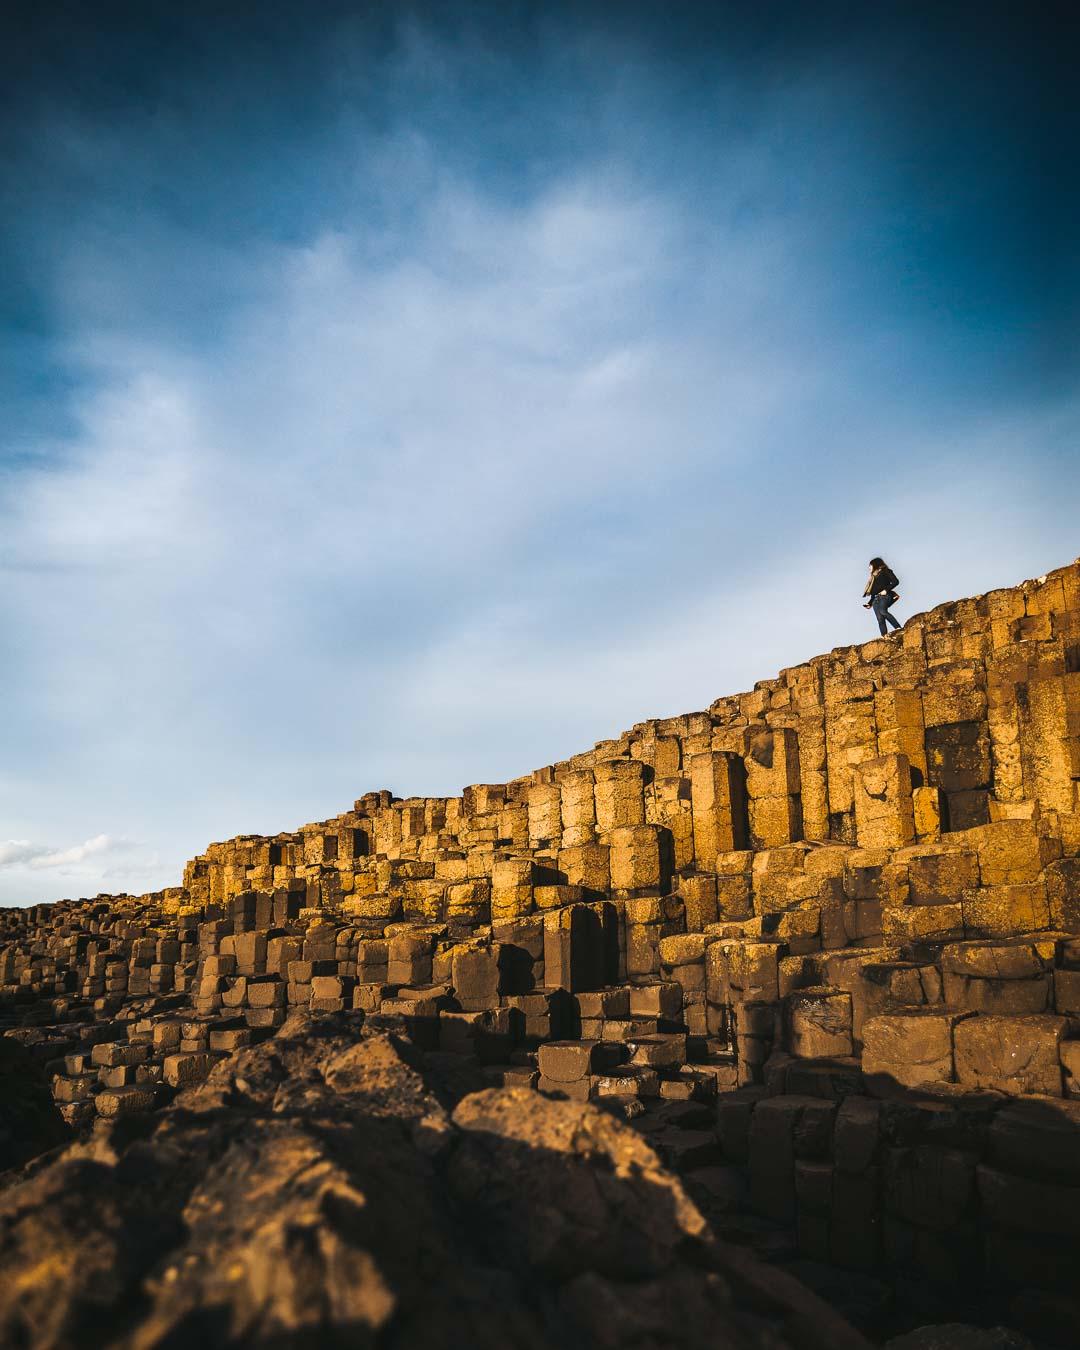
(16, 852)
(23, 853)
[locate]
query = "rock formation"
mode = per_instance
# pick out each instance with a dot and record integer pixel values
(316, 1189)
(819, 946)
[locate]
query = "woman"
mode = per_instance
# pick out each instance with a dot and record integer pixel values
(881, 590)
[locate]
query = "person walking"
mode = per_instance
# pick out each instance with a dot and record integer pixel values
(881, 593)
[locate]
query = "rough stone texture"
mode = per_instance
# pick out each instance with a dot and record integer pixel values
(1012, 1054)
(910, 1047)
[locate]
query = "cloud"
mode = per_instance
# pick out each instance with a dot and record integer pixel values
(22, 853)
(17, 851)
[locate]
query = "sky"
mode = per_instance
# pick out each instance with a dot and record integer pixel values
(406, 396)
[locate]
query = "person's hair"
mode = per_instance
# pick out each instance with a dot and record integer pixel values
(877, 562)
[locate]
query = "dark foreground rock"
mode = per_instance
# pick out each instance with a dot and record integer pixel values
(29, 1120)
(959, 1336)
(325, 1188)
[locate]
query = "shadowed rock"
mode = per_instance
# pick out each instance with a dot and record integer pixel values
(316, 1189)
(29, 1121)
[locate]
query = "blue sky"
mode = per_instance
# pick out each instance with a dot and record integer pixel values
(403, 396)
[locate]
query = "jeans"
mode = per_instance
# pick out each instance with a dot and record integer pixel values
(880, 604)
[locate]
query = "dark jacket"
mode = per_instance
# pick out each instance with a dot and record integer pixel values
(884, 579)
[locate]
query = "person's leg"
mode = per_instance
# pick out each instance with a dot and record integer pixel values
(878, 606)
(892, 618)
